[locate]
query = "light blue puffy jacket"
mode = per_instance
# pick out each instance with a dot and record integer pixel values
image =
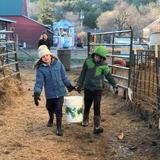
(54, 79)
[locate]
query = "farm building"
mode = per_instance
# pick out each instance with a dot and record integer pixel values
(151, 28)
(63, 34)
(5, 23)
(4, 26)
(27, 29)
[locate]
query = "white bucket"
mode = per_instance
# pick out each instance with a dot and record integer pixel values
(73, 108)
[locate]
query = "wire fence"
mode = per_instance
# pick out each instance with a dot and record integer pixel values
(145, 78)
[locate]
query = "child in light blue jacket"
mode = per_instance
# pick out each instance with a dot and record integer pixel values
(50, 74)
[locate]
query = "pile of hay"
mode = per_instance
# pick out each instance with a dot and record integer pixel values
(9, 90)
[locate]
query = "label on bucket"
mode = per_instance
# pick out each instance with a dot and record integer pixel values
(74, 114)
(74, 108)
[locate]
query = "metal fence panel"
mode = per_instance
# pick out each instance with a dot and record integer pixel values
(8, 56)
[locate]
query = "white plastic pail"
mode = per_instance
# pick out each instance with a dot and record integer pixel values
(73, 108)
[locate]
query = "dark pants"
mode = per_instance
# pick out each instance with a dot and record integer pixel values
(55, 106)
(95, 97)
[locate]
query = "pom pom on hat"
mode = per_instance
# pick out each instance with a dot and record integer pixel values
(43, 50)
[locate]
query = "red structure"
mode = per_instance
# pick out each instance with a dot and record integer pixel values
(5, 23)
(27, 29)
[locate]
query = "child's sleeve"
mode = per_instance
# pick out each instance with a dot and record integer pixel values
(109, 77)
(39, 82)
(64, 76)
(82, 75)
(111, 80)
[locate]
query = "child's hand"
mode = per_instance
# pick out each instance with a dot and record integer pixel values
(36, 99)
(70, 88)
(41, 37)
(78, 89)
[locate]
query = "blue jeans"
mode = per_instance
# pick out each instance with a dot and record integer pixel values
(54, 105)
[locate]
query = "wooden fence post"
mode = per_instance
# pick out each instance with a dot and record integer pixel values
(157, 56)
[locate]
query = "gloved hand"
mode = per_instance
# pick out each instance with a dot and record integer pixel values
(70, 88)
(115, 89)
(36, 98)
(78, 89)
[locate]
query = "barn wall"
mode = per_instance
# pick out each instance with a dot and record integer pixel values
(28, 30)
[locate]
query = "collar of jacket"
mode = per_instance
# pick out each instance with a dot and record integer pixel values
(47, 65)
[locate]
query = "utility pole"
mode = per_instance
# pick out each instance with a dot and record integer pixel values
(81, 17)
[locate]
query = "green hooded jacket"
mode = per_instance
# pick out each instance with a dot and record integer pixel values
(93, 74)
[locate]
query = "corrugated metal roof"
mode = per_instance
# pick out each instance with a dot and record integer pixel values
(7, 20)
(11, 7)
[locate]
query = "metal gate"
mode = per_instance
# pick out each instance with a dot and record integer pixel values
(120, 47)
(8, 55)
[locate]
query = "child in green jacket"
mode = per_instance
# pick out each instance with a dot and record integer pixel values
(92, 80)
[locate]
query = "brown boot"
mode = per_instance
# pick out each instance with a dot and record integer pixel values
(97, 128)
(85, 121)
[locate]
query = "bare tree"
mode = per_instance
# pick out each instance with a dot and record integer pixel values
(150, 13)
(121, 21)
(106, 21)
(33, 10)
(122, 17)
(71, 17)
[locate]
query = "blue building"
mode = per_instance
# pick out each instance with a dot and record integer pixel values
(63, 34)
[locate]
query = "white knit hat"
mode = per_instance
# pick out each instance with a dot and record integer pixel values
(43, 50)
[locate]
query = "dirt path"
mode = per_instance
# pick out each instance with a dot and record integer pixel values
(24, 135)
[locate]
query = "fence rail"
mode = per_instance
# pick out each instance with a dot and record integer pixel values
(8, 55)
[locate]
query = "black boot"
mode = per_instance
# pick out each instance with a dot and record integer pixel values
(85, 120)
(50, 121)
(97, 128)
(59, 131)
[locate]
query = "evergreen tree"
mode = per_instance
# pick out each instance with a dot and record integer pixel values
(91, 9)
(46, 12)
